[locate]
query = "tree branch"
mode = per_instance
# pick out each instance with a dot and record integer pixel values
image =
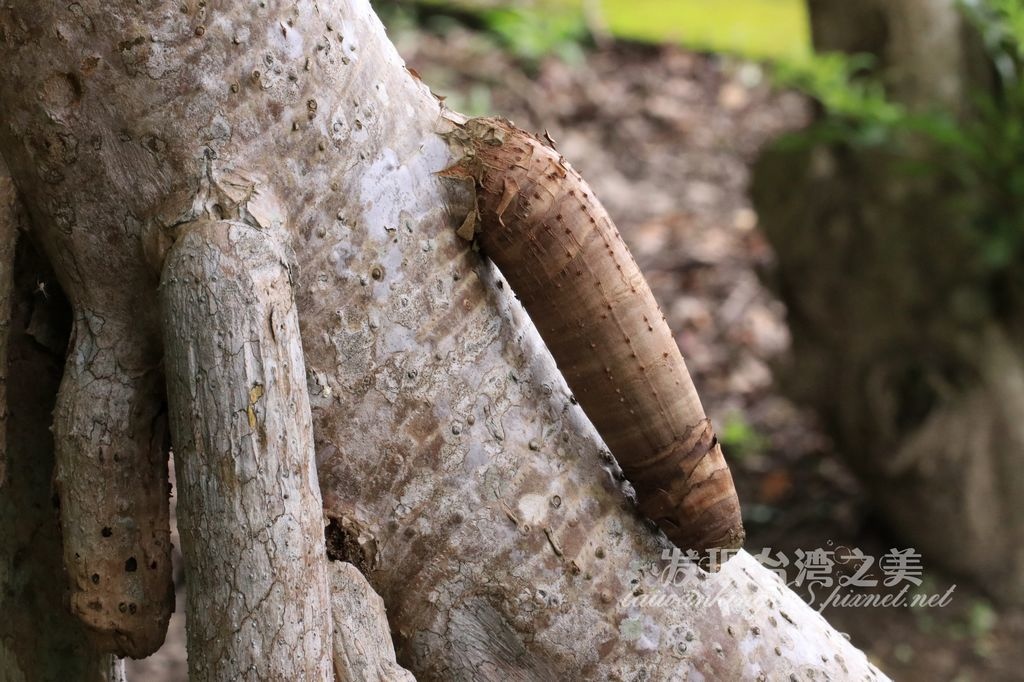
(250, 509)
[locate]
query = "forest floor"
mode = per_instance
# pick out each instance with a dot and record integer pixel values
(666, 137)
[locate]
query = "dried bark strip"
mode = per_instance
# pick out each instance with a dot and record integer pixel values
(549, 235)
(250, 509)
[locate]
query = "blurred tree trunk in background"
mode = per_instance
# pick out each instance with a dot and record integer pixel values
(926, 50)
(916, 372)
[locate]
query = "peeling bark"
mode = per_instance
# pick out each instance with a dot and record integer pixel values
(566, 261)
(250, 512)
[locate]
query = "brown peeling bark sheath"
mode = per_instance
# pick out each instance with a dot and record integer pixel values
(539, 222)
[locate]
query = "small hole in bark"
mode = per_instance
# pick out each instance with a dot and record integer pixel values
(95, 578)
(377, 273)
(106, 532)
(343, 545)
(152, 565)
(131, 565)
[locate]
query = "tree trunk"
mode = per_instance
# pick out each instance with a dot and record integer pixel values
(894, 342)
(926, 51)
(457, 470)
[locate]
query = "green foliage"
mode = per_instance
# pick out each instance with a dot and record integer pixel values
(977, 159)
(859, 110)
(739, 437)
(987, 152)
(527, 31)
(1001, 25)
(776, 29)
(532, 29)
(531, 34)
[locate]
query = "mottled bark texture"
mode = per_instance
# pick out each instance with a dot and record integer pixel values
(363, 651)
(470, 489)
(919, 384)
(552, 239)
(39, 639)
(250, 512)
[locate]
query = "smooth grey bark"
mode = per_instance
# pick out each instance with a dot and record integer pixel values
(470, 489)
(39, 640)
(250, 512)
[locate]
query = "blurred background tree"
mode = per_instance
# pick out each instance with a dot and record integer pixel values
(897, 223)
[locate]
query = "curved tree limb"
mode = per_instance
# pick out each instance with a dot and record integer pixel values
(362, 641)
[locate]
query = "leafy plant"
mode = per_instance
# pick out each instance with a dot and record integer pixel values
(531, 34)
(841, 83)
(740, 437)
(977, 159)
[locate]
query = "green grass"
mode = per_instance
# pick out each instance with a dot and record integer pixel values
(760, 29)
(753, 28)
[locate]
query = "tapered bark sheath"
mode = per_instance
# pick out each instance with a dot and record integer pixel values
(563, 257)
(250, 507)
